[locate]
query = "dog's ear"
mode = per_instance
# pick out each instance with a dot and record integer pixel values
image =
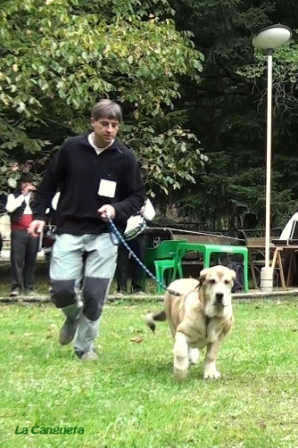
(233, 274)
(202, 277)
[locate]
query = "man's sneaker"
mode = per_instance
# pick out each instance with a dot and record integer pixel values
(119, 295)
(89, 356)
(139, 293)
(15, 293)
(68, 331)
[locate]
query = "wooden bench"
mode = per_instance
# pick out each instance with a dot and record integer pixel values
(204, 239)
(258, 241)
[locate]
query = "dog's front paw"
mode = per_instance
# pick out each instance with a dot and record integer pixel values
(180, 367)
(210, 372)
(180, 374)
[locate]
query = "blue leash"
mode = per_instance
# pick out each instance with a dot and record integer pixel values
(122, 240)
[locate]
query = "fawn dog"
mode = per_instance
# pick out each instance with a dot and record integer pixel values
(200, 315)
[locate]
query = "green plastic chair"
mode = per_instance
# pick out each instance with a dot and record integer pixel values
(163, 259)
(181, 251)
(163, 271)
(207, 250)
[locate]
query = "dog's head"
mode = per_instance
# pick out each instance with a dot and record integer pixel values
(215, 286)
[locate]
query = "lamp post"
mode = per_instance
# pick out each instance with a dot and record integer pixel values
(268, 39)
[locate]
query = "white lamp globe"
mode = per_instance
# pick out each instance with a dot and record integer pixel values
(273, 36)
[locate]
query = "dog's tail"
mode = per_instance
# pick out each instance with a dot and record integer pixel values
(151, 318)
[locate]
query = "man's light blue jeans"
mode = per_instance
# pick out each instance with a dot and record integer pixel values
(81, 271)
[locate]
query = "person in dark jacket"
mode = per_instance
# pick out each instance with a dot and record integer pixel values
(24, 247)
(98, 177)
(126, 260)
(136, 240)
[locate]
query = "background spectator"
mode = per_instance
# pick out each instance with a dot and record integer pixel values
(24, 247)
(125, 261)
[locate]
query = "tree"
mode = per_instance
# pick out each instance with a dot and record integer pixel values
(59, 56)
(227, 109)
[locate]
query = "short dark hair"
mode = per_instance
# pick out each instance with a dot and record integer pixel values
(107, 109)
(26, 176)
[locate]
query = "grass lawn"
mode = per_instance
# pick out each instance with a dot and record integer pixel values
(129, 399)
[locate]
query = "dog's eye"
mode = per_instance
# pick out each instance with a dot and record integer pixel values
(212, 281)
(227, 282)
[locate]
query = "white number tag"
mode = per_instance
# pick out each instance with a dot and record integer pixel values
(107, 188)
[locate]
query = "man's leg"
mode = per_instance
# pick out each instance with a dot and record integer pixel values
(17, 256)
(65, 276)
(30, 262)
(121, 268)
(99, 271)
(138, 246)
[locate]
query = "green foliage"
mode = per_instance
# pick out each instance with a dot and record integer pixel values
(60, 56)
(188, 78)
(227, 109)
(236, 199)
(284, 74)
(175, 157)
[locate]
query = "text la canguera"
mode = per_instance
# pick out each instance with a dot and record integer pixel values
(49, 430)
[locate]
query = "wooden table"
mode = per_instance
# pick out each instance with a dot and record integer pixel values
(292, 261)
(276, 261)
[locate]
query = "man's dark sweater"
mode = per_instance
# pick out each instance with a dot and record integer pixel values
(77, 171)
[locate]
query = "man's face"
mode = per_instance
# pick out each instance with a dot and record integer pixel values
(105, 130)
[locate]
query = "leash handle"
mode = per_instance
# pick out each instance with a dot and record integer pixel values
(122, 240)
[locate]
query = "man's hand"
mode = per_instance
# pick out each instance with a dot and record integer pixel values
(27, 188)
(107, 211)
(36, 227)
